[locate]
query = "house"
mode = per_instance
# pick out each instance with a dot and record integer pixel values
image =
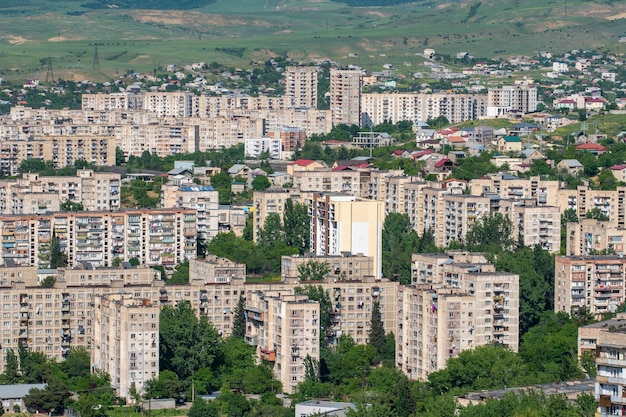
(477, 148)
(434, 144)
(323, 408)
(509, 144)
(279, 179)
(422, 135)
(593, 148)
(12, 396)
(531, 154)
(401, 153)
(619, 172)
(304, 165)
(572, 166)
(239, 170)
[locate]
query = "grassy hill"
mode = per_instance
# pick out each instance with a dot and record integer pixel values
(143, 39)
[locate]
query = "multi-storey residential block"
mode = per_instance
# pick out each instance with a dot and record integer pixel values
(269, 201)
(254, 147)
(163, 138)
(536, 225)
(215, 270)
(155, 237)
(611, 203)
(545, 192)
(292, 138)
(331, 181)
(111, 101)
(467, 305)
(345, 266)
(345, 96)
(301, 86)
(63, 151)
(460, 213)
(511, 98)
(285, 329)
(590, 236)
(201, 198)
(610, 389)
(416, 107)
(342, 223)
(125, 341)
(176, 104)
(593, 282)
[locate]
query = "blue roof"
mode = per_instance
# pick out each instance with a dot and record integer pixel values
(17, 391)
(196, 188)
(512, 139)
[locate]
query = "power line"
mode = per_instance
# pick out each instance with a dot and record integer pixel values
(96, 59)
(49, 73)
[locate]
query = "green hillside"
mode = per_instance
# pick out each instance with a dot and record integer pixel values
(144, 39)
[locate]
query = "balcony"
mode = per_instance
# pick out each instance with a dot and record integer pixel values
(268, 355)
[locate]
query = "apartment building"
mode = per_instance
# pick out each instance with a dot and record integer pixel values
(155, 237)
(126, 341)
(590, 236)
(460, 213)
(418, 107)
(269, 201)
(285, 329)
(536, 225)
(465, 306)
(162, 139)
(345, 96)
(63, 151)
(594, 282)
(611, 203)
(228, 131)
(292, 138)
(343, 223)
(301, 86)
(345, 266)
(511, 98)
(201, 198)
(174, 103)
(544, 192)
(112, 101)
(352, 182)
(610, 387)
(215, 270)
(255, 147)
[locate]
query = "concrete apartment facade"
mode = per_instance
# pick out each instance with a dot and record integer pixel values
(345, 96)
(511, 98)
(341, 223)
(301, 86)
(126, 341)
(457, 302)
(156, 237)
(33, 194)
(590, 236)
(285, 329)
(594, 282)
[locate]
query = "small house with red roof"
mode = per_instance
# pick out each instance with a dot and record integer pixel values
(304, 165)
(401, 153)
(594, 148)
(619, 172)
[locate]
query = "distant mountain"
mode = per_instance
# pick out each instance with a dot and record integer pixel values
(370, 3)
(148, 4)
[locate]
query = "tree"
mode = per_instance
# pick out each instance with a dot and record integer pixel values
(239, 321)
(58, 258)
(11, 374)
(317, 293)
(167, 385)
(186, 343)
(50, 399)
(377, 331)
(181, 275)
(606, 180)
(271, 232)
(491, 233)
(260, 183)
(296, 225)
(134, 261)
(33, 366)
(597, 214)
(403, 401)
(119, 156)
(313, 270)
(201, 408)
(400, 241)
(48, 282)
(69, 205)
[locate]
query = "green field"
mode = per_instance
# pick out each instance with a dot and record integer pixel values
(142, 40)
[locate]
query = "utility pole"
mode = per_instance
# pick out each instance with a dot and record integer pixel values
(49, 73)
(96, 59)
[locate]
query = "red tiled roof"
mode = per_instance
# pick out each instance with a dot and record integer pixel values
(302, 162)
(591, 147)
(442, 162)
(619, 167)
